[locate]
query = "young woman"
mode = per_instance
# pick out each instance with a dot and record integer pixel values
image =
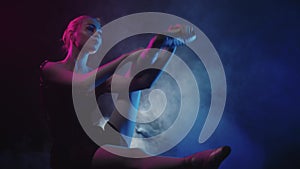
(72, 148)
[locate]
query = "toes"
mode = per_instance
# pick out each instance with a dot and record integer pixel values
(217, 157)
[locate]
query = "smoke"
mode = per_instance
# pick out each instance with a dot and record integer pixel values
(245, 149)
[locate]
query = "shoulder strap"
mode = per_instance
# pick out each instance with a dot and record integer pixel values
(42, 77)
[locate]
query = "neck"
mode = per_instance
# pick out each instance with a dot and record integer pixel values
(73, 56)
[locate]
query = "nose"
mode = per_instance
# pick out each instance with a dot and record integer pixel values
(98, 34)
(99, 31)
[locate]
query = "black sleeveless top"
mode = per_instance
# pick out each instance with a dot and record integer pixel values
(72, 148)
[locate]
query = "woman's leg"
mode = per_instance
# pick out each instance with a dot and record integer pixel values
(209, 159)
(105, 159)
(125, 125)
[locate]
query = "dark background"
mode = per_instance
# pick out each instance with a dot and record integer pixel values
(258, 43)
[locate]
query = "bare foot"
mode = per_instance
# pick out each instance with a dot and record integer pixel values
(209, 159)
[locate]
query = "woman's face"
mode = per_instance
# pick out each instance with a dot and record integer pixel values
(89, 31)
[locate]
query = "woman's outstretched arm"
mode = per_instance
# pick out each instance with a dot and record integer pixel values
(57, 72)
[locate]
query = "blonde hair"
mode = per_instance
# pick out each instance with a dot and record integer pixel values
(72, 26)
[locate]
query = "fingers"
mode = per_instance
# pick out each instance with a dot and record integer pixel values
(182, 33)
(175, 28)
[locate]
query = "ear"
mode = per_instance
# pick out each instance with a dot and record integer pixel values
(72, 37)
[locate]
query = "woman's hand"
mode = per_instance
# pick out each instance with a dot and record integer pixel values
(179, 35)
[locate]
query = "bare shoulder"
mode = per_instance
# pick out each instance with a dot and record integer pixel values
(50, 68)
(56, 72)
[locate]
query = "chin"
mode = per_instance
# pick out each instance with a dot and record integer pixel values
(93, 50)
